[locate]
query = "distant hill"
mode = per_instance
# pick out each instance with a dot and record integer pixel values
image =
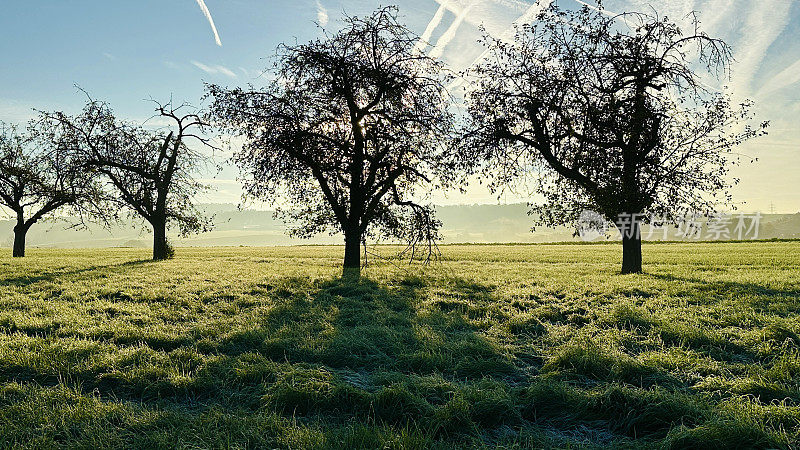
(461, 224)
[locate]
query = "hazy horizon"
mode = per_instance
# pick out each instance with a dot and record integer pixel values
(481, 224)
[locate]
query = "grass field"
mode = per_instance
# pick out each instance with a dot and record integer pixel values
(511, 346)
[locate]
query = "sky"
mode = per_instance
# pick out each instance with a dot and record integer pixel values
(127, 52)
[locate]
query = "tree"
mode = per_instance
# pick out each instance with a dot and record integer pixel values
(151, 171)
(350, 128)
(611, 115)
(39, 176)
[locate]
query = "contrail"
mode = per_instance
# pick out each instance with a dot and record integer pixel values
(207, 13)
(448, 5)
(435, 21)
(451, 32)
(508, 34)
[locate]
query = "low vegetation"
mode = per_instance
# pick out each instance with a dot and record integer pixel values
(509, 346)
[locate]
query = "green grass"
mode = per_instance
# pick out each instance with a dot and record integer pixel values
(494, 346)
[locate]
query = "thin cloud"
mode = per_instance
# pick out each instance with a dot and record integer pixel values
(17, 112)
(764, 23)
(322, 14)
(679, 11)
(214, 70)
(207, 13)
(606, 12)
(516, 4)
(785, 78)
(752, 27)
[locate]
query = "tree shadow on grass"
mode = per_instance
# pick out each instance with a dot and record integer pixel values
(775, 302)
(364, 352)
(335, 348)
(27, 280)
(364, 326)
(761, 297)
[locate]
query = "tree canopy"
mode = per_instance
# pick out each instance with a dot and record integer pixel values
(611, 113)
(149, 172)
(348, 135)
(39, 175)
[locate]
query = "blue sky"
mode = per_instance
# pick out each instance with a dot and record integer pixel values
(126, 52)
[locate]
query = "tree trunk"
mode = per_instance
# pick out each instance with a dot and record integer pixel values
(632, 249)
(160, 250)
(20, 230)
(352, 255)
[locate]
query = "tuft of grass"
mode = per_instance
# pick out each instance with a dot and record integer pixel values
(624, 315)
(587, 359)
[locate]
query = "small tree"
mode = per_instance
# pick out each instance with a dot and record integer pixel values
(38, 176)
(352, 124)
(611, 115)
(150, 171)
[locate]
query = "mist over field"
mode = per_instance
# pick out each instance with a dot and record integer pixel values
(462, 224)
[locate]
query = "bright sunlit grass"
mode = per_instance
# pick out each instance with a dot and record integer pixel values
(493, 346)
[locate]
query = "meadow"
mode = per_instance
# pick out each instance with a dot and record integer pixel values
(516, 346)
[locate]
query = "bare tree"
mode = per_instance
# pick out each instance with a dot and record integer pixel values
(39, 176)
(351, 127)
(612, 114)
(151, 171)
